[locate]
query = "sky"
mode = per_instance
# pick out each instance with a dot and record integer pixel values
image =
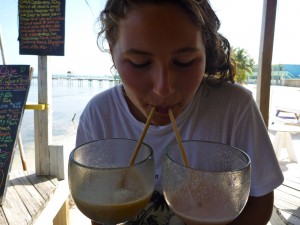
(240, 24)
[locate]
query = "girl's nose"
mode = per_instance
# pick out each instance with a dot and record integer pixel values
(163, 83)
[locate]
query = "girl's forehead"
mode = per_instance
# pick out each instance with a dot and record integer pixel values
(160, 17)
(158, 29)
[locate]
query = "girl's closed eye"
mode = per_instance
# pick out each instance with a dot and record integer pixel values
(181, 63)
(138, 61)
(140, 64)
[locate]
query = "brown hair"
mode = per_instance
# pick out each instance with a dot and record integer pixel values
(219, 66)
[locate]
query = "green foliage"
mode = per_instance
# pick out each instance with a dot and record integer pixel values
(244, 64)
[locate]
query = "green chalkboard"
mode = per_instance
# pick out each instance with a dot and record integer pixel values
(41, 27)
(14, 87)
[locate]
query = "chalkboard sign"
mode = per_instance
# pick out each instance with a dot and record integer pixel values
(41, 27)
(14, 87)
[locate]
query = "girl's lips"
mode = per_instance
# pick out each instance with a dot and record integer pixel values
(162, 110)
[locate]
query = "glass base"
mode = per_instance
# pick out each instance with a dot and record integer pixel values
(97, 223)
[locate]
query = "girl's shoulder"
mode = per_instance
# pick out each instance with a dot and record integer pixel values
(106, 97)
(226, 93)
(231, 89)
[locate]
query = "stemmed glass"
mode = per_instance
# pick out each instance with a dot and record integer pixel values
(213, 189)
(104, 186)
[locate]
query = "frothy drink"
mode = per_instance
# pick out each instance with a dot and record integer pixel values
(201, 209)
(190, 216)
(118, 202)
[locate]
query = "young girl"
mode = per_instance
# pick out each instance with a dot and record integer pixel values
(169, 54)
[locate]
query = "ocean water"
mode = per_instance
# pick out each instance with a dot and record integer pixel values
(69, 98)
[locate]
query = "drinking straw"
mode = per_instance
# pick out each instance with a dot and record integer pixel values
(140, 141)
(186, 163)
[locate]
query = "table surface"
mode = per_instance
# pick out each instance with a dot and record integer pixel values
(26, 196)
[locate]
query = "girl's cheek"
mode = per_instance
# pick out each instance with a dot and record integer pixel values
(129, 73)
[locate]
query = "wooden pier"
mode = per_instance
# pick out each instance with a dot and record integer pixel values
(81, 80)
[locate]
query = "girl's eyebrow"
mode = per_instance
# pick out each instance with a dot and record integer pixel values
(133, 51)
(186, 50)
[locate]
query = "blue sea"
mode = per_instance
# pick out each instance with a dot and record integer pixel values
(69, 98)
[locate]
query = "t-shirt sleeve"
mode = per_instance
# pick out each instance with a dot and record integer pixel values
(83, 135)
(90, 122)
(252, 136)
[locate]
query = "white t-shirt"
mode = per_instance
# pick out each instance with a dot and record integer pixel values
(226, 114)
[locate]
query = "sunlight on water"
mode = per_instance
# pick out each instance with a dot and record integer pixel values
(68, 100)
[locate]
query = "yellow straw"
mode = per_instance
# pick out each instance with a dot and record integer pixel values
(137, 148)
(178, 137)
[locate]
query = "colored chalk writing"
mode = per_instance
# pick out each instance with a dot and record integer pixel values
(41, 27)
(14, 87)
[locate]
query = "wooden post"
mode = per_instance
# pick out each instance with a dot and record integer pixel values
(57, 161)
(43, 119)
(2, 49)
(63, 216)
(22, 154)
(265, 58)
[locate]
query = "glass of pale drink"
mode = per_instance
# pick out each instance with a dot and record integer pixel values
(104, 186)
(215, 186)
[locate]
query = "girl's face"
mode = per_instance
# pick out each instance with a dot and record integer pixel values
(161, 59)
